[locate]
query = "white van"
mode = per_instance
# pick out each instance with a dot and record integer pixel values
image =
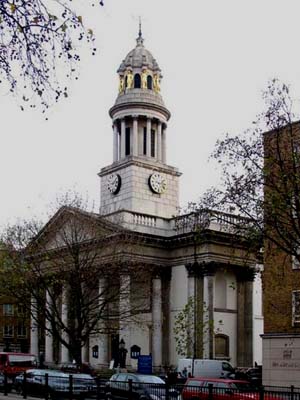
(206, 368)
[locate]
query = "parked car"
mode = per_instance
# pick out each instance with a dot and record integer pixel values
(2, 383)
(252, 375)
(73, 368)
(223, 389)
(144, 387)
(205, 368)
(58, 383)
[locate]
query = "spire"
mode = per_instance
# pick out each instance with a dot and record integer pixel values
(140, 39)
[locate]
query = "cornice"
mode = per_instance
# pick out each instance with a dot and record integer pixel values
(139, 162)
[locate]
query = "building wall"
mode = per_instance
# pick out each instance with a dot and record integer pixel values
(281, 360)
(225, 314)
(19, 340)
(178, 299)
(135, 193)
(258, 319)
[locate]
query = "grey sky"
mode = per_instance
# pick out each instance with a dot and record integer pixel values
(215, 56)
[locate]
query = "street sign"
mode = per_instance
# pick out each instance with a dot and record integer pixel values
(145, 364)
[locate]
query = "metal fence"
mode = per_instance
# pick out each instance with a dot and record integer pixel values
(49, 386)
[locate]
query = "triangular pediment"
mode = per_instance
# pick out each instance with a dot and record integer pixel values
(70, 225)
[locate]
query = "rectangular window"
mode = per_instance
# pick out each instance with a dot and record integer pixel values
(127, 141)
(296, 153)
(21, 310)
(145, 141)
(8, 331)
(21, 330)
(8, 309)
(296, 307)
(152, 143)
(295, 260)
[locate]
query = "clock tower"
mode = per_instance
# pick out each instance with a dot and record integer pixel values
(139, 179)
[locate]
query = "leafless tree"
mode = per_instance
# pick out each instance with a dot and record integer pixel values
(38, 38)
(261, 176)
(77, 258)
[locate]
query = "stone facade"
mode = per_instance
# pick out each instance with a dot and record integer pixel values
(183, 257)
(135, 193)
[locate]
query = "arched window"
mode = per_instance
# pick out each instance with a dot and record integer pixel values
(149, 82)
(126, 82)
(137, 81)
(221, 346)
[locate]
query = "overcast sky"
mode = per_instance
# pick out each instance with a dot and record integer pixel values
(216, 58)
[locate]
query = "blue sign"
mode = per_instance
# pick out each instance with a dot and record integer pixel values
(145, 365)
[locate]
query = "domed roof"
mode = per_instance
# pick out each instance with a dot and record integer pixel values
(139, 57)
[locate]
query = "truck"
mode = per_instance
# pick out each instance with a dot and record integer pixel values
(13, 364)
(193, 367)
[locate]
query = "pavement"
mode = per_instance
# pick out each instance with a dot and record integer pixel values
(15, 396)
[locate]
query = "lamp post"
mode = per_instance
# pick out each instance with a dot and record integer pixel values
(122, 353)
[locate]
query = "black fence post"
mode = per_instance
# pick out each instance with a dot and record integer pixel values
(167, 389)
(261, 393)
(5, 384)
(210, 391)
(70, 387)
(292, 392)
(129, 389)
(97, 379)
(46, 386)
(25, 385)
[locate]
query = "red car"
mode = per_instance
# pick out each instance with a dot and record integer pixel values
(223, 389)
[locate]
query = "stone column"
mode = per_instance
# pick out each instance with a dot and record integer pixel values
(164, 144)
(115, 142)
(244, 322)
(34, 329)
(191, 297)
(103, 337)
(48, 333)
(159, 127)
(148, 137)
(135, 136)
(156, 322)
(124, 326)
(208, 315)
(64, 356)
(123, 128)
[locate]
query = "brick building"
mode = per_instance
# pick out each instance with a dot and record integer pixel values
(281, 278)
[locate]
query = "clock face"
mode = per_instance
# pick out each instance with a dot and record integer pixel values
(114, 183)
(157, 183)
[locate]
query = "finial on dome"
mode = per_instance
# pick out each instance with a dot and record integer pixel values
(140, 39)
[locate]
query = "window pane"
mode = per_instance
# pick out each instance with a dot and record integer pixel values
(8, 309)
(145, 142)
(152, 143)
(8, 331)
(127, 141)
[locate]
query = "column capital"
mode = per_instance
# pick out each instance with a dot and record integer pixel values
(192, 269)
(135, 116)
(161, 272)
(245, 274)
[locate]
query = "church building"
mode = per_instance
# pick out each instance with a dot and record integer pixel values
(194, 259)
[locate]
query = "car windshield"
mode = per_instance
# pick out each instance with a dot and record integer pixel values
(242, 386)
(151, 379)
